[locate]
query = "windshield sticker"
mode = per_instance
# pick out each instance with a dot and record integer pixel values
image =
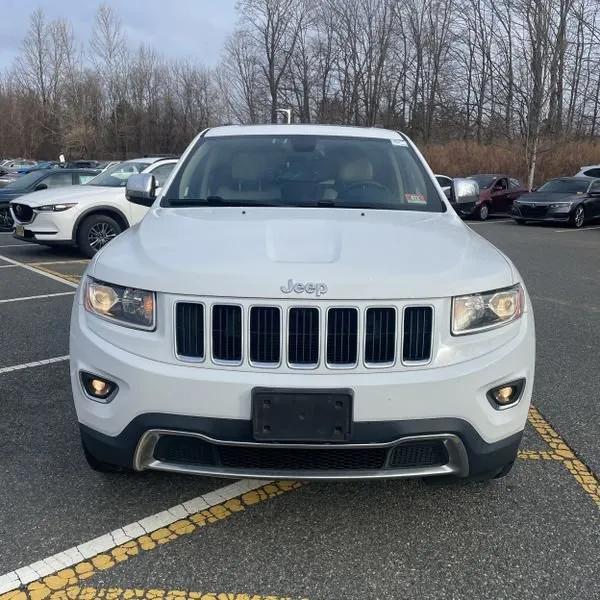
(415, 198)
(399, 142)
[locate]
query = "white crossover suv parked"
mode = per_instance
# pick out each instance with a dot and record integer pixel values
(302, 302)
(87, 216)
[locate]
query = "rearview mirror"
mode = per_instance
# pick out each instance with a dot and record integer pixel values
(465, 191)
(141, 189)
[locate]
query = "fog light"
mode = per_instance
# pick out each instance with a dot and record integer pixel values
(506, 395)
(97, 387)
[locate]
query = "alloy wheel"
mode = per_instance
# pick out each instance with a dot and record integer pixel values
(579, 216)
(6, 221)
(100, 234)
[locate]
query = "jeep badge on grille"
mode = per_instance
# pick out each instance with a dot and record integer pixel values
(304, 288)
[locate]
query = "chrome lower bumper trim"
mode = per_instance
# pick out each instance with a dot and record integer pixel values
(457, 464)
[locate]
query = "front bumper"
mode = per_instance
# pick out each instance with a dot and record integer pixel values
(445, 404)
(226, 449)
(552, 215)
(46, 228)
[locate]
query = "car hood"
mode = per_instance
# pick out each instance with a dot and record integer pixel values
(253, 252)
(549, 197)
(73, 193)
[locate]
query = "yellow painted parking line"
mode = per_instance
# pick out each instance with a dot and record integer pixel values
(37, 270)
(153, 535)
(59, 262)
(537, 455)
(90, 593)
(562, 452)
(66, 276)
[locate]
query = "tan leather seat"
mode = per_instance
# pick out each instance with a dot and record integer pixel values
(249, 180)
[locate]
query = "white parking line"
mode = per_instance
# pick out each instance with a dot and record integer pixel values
(37, 363)
(105, 543)
(38, 271)
(8, 266)
(37, 297)
(575, 230)
(12, 245)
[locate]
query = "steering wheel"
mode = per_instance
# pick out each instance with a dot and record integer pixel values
(367, 183)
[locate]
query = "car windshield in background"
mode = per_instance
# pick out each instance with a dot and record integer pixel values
(565, 186)
(118, 174)
(303, 171)
(484, 181)
(23, 182)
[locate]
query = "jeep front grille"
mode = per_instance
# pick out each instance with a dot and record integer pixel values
(303, 337)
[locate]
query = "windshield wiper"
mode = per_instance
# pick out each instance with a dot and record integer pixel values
(216, 201)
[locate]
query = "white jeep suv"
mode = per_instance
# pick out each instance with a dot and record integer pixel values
(302, 302)
(87, 216)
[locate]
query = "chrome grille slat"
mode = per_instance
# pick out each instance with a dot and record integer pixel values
(265, 335)
(227, 333)
(303, 337)
(342, 336)
(418, 324)
(189, 330)
(380, 336)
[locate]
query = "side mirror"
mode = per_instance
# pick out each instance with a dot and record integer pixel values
(40, 186)
(141, 189)
(465, 191)
(594, 193)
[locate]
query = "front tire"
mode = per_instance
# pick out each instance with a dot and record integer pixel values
(577, 219)
(483, 212)
(6, 220)
(95, 232)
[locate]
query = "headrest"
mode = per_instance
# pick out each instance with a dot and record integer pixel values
(359, 169)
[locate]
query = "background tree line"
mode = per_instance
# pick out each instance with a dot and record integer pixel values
(481, 84)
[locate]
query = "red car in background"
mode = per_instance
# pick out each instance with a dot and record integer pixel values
(497, 193)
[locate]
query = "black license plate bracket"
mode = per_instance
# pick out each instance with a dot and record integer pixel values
(297, 415)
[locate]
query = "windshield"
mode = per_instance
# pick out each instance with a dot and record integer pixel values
(565, 186)
(303, 170)
(23, 182)
(484, 181)
(118, 174)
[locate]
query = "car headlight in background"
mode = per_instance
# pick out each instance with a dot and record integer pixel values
(561, 205)
(487, 310)
(124, 305)
(54, 207)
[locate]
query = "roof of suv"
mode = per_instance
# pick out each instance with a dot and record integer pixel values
(340, 130)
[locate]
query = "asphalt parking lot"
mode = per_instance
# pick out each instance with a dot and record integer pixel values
(68, 532)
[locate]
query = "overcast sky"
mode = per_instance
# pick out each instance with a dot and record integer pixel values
(176, 28)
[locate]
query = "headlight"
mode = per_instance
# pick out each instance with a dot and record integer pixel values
(54, 207)
(479, 312)
(560, 204)
(124, 305)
